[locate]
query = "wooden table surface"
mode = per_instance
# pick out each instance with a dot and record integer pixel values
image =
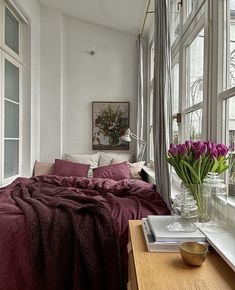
(168, 271)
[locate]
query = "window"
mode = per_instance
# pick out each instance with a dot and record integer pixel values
(228, 94)
(175, 18)
(194, 88)
(190, 4)
(10, 96)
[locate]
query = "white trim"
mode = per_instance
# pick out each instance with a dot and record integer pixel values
(5, 47)
(227, 94)
(10, 101)
(5, 56)
(18, 10)
(193, 108)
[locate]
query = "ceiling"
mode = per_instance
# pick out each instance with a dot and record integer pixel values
(124, 15)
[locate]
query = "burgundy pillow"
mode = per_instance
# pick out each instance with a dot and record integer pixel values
(67, 168)
(117, 171)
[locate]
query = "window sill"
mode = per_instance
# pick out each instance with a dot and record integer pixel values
(9, 180)
(223, 243)
(231, 202)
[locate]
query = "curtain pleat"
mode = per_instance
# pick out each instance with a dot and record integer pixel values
(140, 96)
(162, 98)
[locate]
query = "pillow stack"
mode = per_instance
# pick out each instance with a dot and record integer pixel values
(114, 166)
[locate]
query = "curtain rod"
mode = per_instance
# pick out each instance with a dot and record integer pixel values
(145, 17)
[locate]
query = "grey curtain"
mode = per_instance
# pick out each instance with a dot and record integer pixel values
(140, 96)
(162, 98)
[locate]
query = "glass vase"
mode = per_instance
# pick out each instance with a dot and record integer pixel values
(202, 197)
(219, 193)
(184, 212)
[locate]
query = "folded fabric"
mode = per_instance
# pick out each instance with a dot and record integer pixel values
(117, 171)
(92, 159)
(67, 168)
(43, 168)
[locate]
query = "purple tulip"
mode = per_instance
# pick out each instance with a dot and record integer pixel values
(182, 149)
(222, 149)
(214, 152)
(188, 144)
(173, 150)
(209, 145)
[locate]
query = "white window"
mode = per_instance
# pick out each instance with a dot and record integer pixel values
(193, 102)
(10, 94)
(187, 74)
(175, 19)
(227, 96)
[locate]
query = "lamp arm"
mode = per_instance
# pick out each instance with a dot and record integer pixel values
(134, 136)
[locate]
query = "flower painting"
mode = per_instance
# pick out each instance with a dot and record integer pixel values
(109, 122)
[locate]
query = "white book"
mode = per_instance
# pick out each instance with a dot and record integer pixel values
(158, 225)
(154, 246)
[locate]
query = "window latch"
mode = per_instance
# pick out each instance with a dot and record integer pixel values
(179, 4)
(178, 118)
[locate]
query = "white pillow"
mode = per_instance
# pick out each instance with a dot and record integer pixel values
(106, 158)
(92, 159)
(135, 168)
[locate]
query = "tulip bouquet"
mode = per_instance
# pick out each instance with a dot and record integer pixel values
(193, 160)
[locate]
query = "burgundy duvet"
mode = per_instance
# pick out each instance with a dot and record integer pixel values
(122, 201)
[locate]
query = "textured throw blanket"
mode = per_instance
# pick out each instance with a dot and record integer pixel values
(73, 240)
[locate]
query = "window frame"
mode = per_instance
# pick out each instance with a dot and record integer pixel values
(6, 53)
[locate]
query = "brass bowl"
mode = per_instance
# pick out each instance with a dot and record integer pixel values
(193, 253)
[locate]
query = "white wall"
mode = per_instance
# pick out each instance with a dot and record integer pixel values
(31, 95)
(71, 79)
(108, 75)
(51, 81)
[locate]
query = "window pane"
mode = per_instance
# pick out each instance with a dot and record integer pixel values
(231, 122)
(231, 43)
(175, 20)
(11, 81)
(11, 31)
(11, 120)
(175, 131)
(11, 158)
(194, 125)
(195, 58)
(230, 140)
(175, 88)
(190, 5)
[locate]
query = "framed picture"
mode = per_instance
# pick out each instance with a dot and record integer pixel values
(110, 120)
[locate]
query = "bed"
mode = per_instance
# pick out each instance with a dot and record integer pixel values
(60, 232)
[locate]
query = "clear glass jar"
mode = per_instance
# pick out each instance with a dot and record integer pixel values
(218, 202)
(184, 212)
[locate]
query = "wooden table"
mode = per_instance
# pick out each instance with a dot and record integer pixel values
(167, 271)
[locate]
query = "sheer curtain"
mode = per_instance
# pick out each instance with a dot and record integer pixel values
(140, 96)
(162, 98)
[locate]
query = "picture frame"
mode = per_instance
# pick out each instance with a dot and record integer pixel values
(110, 120)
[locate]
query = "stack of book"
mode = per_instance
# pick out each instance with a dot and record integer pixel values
(159, 239)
